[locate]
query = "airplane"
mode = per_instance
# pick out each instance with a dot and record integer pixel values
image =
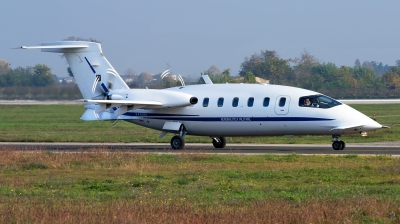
(214, 110)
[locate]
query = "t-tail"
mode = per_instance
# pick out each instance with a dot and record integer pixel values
(93, 73)
(106, 95)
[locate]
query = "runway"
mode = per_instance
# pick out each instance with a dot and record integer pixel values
(380, 148)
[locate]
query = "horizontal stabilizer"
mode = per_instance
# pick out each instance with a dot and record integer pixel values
(54, 47)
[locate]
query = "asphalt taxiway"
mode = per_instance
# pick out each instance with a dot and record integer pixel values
(379, 148)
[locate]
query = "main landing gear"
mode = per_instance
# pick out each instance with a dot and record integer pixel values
(337, 144)
(178, 141)
(219, 142)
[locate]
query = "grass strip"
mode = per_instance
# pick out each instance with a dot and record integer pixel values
(104, 187)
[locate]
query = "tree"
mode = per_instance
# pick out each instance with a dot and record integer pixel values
(365, 76)
(145, 77)
(76, 38)
(327, 73)
(4, 67)
(267, 65)
(42, 75)
(249, 77)
(216, 75)
(225, 76)
(302, 69)
(392, 78)
(130, 72)
(357, 63)
(367, 64)
(169, 81)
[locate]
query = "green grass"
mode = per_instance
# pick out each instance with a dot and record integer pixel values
(61, 123)
(205, 188)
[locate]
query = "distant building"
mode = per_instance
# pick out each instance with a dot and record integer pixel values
(67, 80)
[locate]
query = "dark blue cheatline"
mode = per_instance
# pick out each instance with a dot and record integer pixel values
(240, 119)
(228, 119)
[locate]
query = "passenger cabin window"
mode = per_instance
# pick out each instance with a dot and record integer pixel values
(266, 102)
(220, 102)
(318, 101)
(205, 102)
(235, 102)
(250, 102)
(282, 102)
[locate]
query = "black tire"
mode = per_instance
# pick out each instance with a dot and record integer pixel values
(337, 145)
(343, 145)
(177, 142)
(219, 143)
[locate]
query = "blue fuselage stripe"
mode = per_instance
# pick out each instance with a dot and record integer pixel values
(240, 119)
(190, 117)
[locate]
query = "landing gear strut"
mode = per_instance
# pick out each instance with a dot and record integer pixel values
(337, 143)
(219, 142)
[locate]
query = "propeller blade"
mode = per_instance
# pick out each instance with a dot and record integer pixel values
(115, 123)
(95, 83)
(105, 88)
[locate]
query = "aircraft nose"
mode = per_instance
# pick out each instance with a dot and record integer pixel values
(372, 125)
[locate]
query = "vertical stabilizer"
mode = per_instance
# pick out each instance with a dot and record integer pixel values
(93, 73)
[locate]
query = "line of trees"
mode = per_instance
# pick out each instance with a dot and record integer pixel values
(367, 80)
(38, 75)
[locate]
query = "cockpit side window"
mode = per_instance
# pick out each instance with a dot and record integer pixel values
(318, 101)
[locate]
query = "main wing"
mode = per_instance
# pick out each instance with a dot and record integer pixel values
(123, 102)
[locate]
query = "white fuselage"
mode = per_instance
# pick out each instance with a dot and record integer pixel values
(257, 120)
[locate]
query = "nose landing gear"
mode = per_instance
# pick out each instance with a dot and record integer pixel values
(337, 143)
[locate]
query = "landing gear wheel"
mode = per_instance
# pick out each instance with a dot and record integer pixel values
(219, 142)
(343, 145)
(177, 142)
(337, 145)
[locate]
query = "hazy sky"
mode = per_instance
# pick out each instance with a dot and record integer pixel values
(193, 35)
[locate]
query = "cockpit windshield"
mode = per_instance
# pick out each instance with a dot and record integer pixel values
(318, 101)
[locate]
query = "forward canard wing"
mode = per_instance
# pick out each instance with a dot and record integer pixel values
(352, 127)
